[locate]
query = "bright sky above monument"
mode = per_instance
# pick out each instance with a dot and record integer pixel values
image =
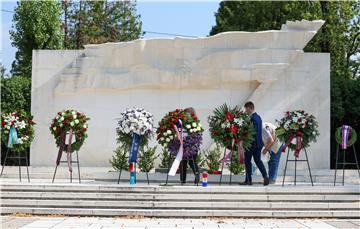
(188, 18)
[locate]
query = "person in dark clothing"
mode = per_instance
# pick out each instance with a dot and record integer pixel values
(191, 161)
(256, 147)
(193, 165)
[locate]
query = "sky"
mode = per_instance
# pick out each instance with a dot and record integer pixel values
(188, 18)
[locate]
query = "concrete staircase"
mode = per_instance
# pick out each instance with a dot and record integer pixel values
(181, 201)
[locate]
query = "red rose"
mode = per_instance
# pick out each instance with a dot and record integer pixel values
(234, 129)
(229, 116)
(30, 121)
(84, 129)
(3, 123)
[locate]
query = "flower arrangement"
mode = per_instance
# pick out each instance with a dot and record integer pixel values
(19, 127)
(229, 125)
(138, 121)
(192, 132)
(300, 125)
(70, 120)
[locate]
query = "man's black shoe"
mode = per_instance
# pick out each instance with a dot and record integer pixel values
(245, 183)
(197, 179)
(266, 181)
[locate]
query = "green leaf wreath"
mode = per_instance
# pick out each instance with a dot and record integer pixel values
(228, 123)
(24, 125)
(70, 120)
(298, 121)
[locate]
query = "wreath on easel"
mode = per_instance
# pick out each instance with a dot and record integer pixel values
(69, 121)
(352, 137)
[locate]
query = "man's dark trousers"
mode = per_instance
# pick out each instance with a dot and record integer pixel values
(255, 149)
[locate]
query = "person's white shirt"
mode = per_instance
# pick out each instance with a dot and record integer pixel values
(269, 132)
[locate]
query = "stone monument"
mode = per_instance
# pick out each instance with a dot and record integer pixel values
(267, 67)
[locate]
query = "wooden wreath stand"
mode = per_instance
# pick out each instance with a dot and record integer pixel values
(72, 162)
(222, 166)
(19, 157)
(296, 161)
(343, 163)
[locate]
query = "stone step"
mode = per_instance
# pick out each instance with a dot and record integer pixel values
(323, 176)
(71, 71)
(155, 189)
(177, 196)
(182, 204)
(108, 199)
(183, 212)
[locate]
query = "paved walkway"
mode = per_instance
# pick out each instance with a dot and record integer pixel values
(208, 223)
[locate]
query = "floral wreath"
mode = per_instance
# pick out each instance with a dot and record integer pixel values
(231, 125)
(192, 132)
(18, 130)
(351, 140)
(300, 125)
(66, 121)
(136, 120)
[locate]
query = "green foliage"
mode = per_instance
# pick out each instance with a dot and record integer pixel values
(261, 15)
(226, 124)
(37, 25)
(119, 161)
(212, 159)
(126, 140)
(23, 122)
(235, 167)
(165, 159)
(94, 22)
(147, 158)
(15, 93)
(200, 159)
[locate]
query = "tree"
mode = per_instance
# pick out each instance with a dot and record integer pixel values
(15, 93)
(119, 161)
(36, 26)
(261, 15)
(339, 35)
(147, 159)
(94, 22)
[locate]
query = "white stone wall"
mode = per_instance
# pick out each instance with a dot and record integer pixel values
(159, 75)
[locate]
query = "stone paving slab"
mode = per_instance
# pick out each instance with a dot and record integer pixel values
(31, 222)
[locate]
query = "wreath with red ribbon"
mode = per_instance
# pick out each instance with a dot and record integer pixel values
(231, 124)
(297, 125)
(190, 125)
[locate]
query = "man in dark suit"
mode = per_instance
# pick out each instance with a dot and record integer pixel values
(256, 147)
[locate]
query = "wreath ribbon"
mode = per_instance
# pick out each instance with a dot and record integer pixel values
(179, 156)
(13, 137)
(345, 133)
(239, 143)
(241, 152)
(62, 147)
(134, 149)
(298, 136)
(340, 137)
